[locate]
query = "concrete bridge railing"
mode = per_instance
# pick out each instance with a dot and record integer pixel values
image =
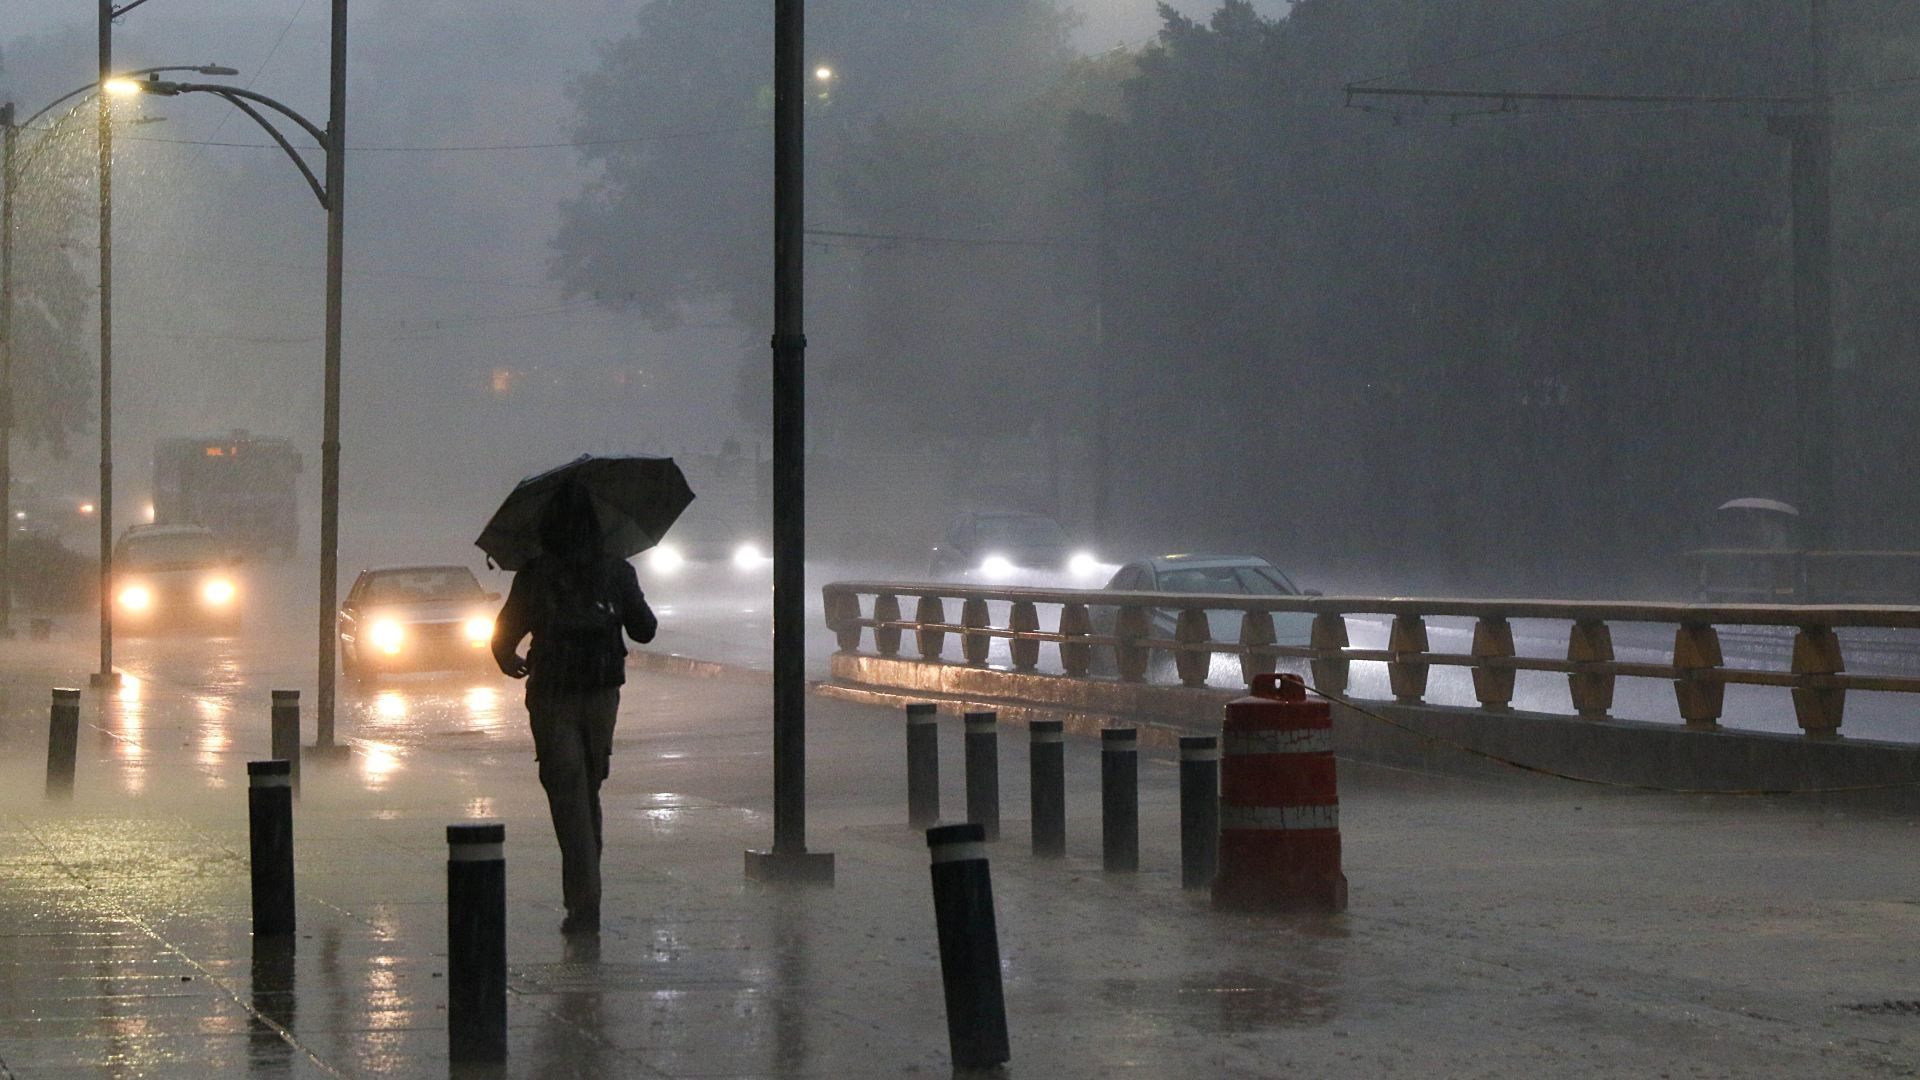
(1115, 631)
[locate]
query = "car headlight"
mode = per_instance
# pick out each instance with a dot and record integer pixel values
(386, 635)
(136, 598)
(747, 557)
(1083, 564)
(479, 630)
(218, 592)
(665, 559)
(996, 568)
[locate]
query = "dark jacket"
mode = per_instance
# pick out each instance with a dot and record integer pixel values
(575, 611)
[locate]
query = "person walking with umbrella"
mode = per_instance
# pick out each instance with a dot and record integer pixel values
(575, 594)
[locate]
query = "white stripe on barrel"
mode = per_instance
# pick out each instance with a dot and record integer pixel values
(1279, 817)
(1287, 741)
(271, 780)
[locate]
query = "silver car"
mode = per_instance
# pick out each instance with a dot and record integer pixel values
(1230, 575)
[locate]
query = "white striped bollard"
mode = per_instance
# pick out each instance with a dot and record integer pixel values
(63, 742)
(923, 765)
(1199, 810)
(477, 941)
(1119, 800)
(285, 731)
(1047, 775)
(270, 847)
(983, 771)
(969, 946)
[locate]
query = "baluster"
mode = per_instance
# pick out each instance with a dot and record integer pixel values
(1024, 619)
(1256, 629)
(886, 639)
(973, 616)
(1590, 642)
(843, 618)
(1816, 651)
(1075, 622)
(1696, 652)
(1408, 678)
(931, 610)
(1493, 686)
(1130, 625)
(1191, 628)
(1330, 668)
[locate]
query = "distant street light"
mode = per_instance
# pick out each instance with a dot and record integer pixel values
(11, 163)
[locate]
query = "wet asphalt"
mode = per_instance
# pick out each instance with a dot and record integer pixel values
(1516, 929)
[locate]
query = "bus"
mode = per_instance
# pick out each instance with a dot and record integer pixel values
(239, 485)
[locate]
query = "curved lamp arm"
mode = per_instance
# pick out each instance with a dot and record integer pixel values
(239, 98)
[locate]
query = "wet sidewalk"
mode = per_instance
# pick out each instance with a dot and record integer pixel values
(1497, 930)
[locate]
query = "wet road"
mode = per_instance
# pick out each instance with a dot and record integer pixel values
(1499, 930)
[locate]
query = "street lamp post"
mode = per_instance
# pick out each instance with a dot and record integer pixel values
(789, 859)
(329, 189)
(10, 170)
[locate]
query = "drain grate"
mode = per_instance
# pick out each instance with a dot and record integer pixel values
(1888, 1008)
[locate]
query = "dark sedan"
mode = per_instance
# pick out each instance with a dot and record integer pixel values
(415, 618)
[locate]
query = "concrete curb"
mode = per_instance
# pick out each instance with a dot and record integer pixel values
(676, 664)
(1075, 722)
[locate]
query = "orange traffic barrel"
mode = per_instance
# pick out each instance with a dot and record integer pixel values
(1279, 803)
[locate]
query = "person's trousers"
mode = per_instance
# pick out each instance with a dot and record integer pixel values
(573, 739)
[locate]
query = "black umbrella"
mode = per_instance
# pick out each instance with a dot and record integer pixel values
(636, 500)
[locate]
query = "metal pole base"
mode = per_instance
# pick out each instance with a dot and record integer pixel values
(328, 753)
(789, 868)
(108, 679)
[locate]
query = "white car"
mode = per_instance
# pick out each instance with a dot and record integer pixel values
(174, 579)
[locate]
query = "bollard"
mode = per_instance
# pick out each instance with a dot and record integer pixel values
(477, 941)
(286, 731)
(983, 772)
(1047, 772)
(923, 765)
(1199, 810)
(1279, 803)
(969, 946)
(63, 742)
(270, 846)
(1119, 800)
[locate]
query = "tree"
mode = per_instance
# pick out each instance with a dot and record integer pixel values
(52, 370)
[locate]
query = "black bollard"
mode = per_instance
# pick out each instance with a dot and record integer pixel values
(969, 946)
(477, 941)
(1047, 773)
(983, 772)
(1119, 800)
(270, 846)
(1199, 810)
(923, 765)
(286, 731)
(63, 743)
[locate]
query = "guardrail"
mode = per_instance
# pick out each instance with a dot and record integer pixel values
(1817, 677)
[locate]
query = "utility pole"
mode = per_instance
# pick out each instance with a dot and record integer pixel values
(9, 176)
(1810, 136)
(104, 504)
(789, 860)
(1807, 123)
(336, 166)
(1102, 358)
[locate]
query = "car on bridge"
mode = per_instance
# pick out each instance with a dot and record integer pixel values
(1227, 575)
(173, 579)
(415, 618)
(1007, 546)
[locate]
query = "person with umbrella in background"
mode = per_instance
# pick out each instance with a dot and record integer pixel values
(566, 533)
